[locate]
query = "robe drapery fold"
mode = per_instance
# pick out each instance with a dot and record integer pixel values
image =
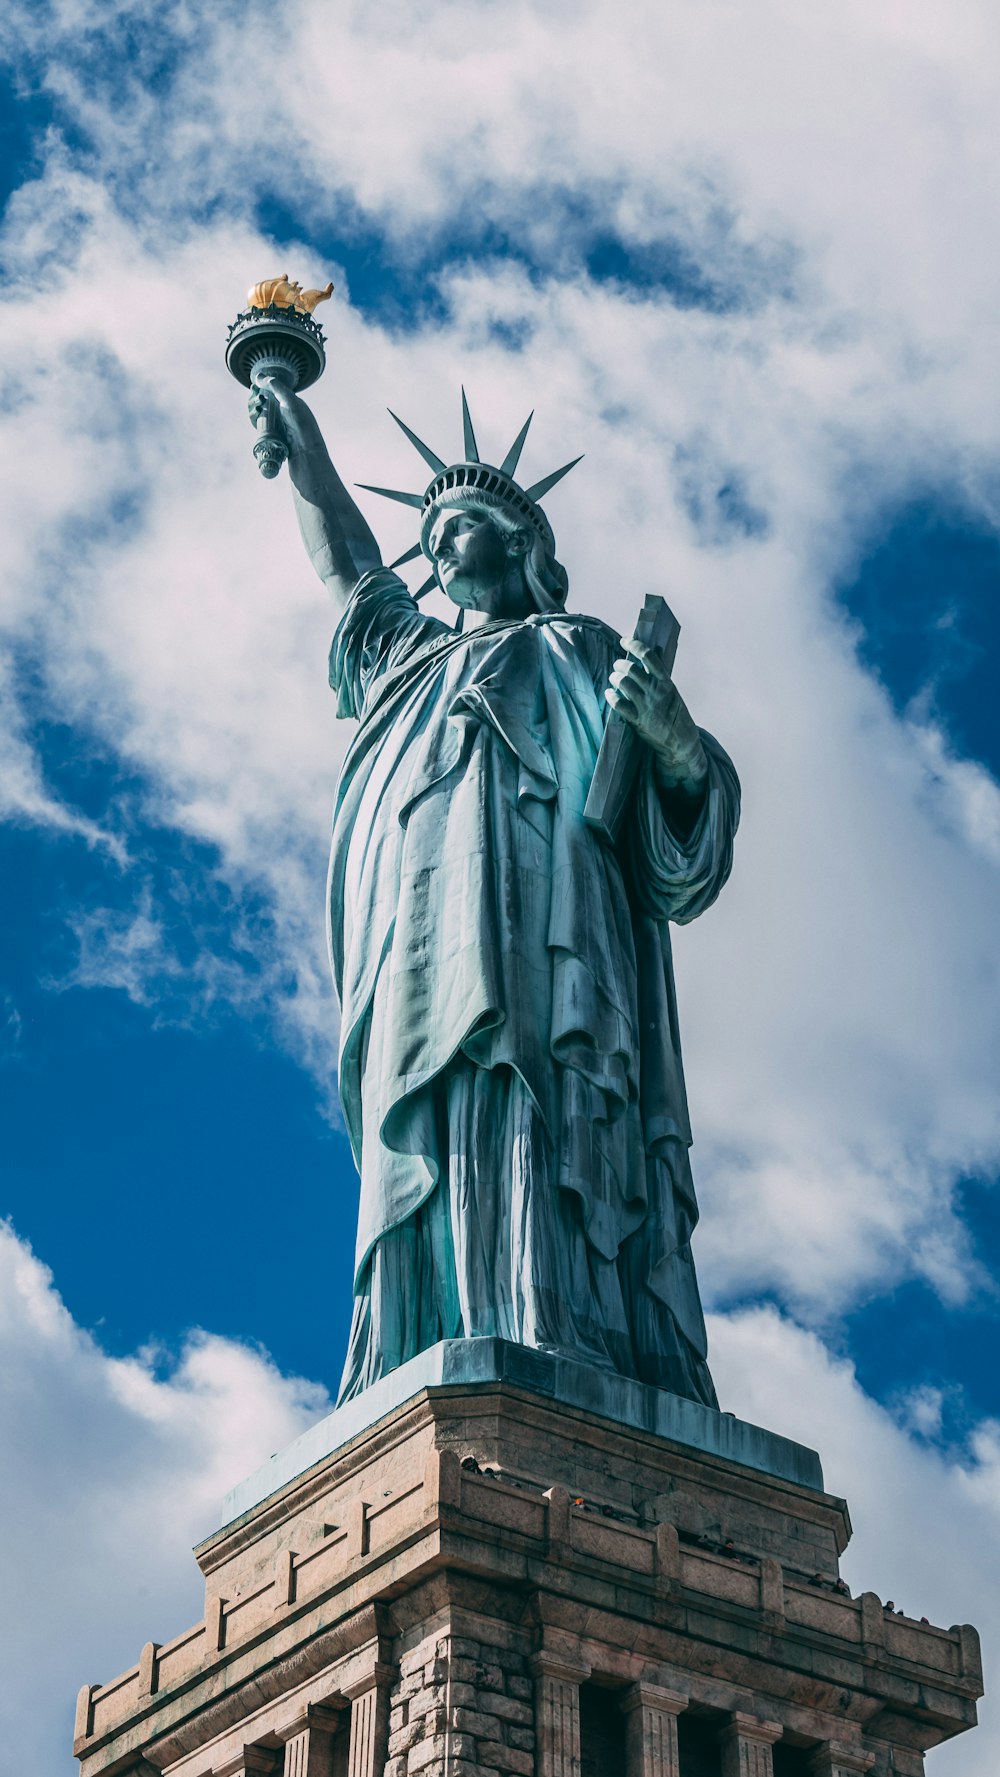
(510, 1066)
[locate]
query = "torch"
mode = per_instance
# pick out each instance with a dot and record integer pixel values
(276, 335)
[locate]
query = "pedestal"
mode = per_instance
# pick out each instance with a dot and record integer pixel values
(501, 1563)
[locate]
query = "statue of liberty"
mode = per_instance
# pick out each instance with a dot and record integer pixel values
(510, 1066)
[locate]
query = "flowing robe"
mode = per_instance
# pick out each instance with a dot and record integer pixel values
(510, 1067)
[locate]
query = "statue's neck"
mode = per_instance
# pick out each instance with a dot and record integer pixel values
(505, 603)
(478, 616)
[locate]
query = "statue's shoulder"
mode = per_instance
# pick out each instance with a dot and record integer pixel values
(576, 620)
(591, 633)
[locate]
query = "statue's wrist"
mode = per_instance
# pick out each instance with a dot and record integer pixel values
(682, 774)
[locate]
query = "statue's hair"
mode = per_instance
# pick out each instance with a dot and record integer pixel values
(545, 577)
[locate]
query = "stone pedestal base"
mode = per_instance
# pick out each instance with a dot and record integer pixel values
(493, 1580)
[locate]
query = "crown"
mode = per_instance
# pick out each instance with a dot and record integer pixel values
(472, 483)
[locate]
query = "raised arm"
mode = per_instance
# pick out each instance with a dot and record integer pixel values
(340, 545)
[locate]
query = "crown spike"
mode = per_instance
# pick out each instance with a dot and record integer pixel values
(433, 462)
(513, 456)
(471, 447)
(542, 487)
(427, 586)
(407, 555)
(392, 493)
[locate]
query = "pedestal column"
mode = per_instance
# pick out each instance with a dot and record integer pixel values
(746, 1746)
(557, 1714)
(369, 1722)
(309, 1743)
(651, 1730)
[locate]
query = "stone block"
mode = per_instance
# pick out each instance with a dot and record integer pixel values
(428, 1756)
(474, 1721)
(508, 1708)
(467, 1672)
(401, 1739)
(464, 1746)
(506, 1758)
(465, 1694)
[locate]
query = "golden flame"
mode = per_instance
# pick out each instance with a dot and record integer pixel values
(285, 294)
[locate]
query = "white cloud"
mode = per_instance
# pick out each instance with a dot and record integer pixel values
(110, 1470)
(124, 950)
(922, 1410)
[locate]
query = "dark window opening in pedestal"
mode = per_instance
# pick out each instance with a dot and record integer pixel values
(602, 1732)
(792, 1761)
(341, 1760)
(698, 1745)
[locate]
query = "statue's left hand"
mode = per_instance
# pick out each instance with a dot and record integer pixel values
(644, 695)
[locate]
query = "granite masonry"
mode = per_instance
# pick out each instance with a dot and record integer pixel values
(489, 1579)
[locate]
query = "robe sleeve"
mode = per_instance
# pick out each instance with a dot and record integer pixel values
(381, 627)
(676, 876)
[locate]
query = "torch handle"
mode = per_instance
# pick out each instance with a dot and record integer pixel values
(271, 445)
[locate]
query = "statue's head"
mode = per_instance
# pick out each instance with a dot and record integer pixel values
(482, 531)
(478, 548)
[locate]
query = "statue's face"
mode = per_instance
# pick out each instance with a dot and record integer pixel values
(471, 554)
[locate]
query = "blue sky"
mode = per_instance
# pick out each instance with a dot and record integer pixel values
(770, 322)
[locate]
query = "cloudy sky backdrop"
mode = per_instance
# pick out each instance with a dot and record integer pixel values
(744, 256)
